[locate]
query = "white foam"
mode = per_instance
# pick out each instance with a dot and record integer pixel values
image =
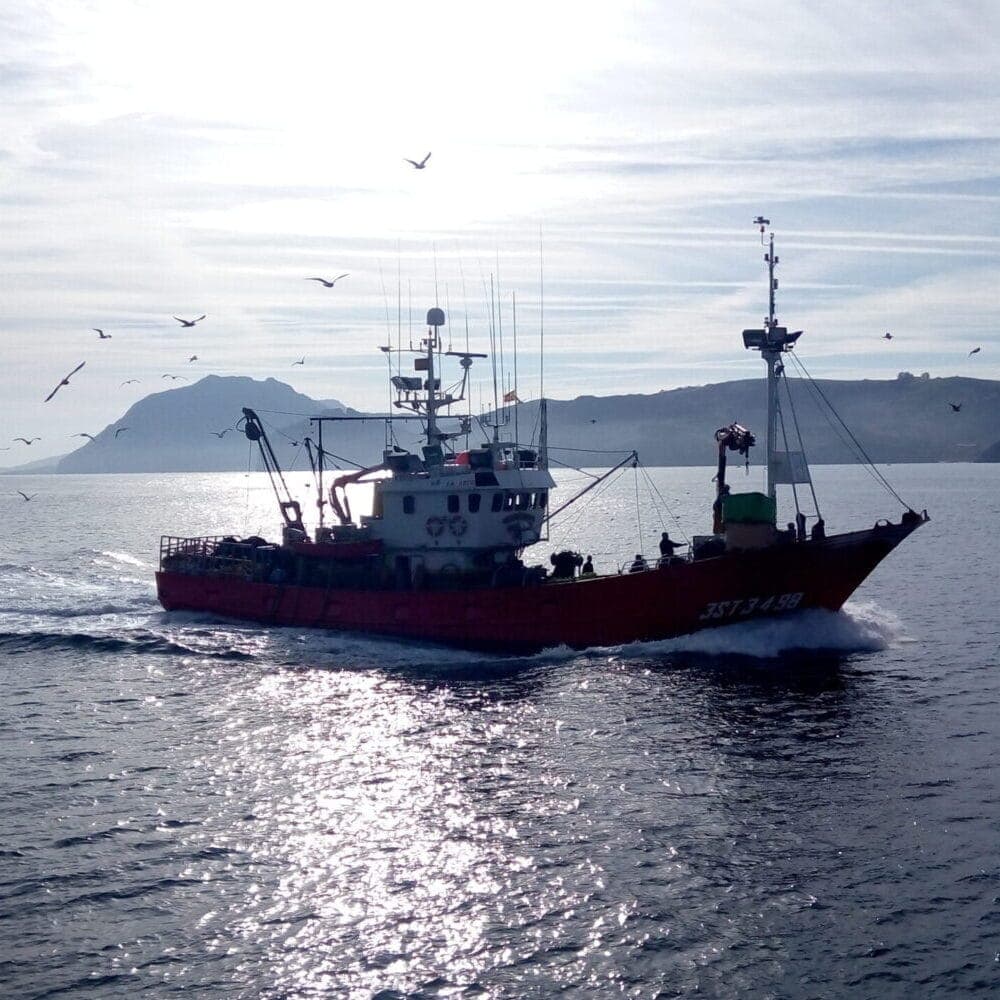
(861, 627)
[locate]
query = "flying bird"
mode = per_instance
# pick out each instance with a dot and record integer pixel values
(955, 406)
(221, 434)
(421, 164)
(65, 381)
(101, 333)
(189, 322)
(328, 284)
(130, 381)
(887, 335)
(25, 495)
(121, 430)
(83, 434)
(975, 350)
(194, 357)
(301, 361)
(174, 377)
(26, 440)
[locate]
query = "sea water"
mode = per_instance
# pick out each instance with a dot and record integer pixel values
(805, 807)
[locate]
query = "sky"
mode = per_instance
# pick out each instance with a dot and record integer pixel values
(600, 164)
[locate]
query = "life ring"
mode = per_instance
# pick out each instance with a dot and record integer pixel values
(458, 525)
(434, 526)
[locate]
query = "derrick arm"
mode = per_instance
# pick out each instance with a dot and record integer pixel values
(291, 511)
(343, 508)
(736, 438)
(632, 457)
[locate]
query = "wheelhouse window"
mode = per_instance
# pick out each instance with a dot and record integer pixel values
(454, 504)
(522, 501)
(475, 499)
(409, 504)
(508, 501)
(497, 502)
(541, 499)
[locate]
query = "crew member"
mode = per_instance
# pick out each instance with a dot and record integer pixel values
(588, 567)
(667, 545)
(638, 564)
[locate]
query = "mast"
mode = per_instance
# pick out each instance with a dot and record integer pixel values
(772, 341)
(770, 356)
(435, 318)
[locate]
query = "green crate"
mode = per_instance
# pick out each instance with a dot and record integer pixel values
(749, 508)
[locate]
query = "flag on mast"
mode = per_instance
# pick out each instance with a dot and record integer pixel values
(511, 397)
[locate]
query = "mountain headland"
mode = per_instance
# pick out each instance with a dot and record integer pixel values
(906, 419)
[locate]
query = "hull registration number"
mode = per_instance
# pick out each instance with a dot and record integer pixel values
(744, 606)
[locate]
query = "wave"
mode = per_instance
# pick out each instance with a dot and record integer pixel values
(122, 557)
(141, 603)
(141, 643)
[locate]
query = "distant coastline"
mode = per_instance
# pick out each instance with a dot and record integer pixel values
(909, 419)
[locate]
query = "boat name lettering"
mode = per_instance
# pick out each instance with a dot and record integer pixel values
(743, 606)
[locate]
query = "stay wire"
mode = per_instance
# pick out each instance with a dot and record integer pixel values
(850, 433)
(802, 447)
(665, 506)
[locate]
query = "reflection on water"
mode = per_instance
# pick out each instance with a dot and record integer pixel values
(775, 808)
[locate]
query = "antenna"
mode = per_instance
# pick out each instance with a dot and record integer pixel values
(493, 358)
(465, 299)
(434, 251)
(500, 326)
(541, 317)
(517, 435)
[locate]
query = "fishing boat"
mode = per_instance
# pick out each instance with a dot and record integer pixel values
(442, 555)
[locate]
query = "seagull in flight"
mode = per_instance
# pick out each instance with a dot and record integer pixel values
(101, 333)
(189, 322)
(975, 350)
(130, 381)
(221, 434)
(83, 434)
(887, 335)
(174, 377)
(65, 381)
(301, 361)
(955, 406)
(25, 495)
(26, 440)
(121, 430)
(329, 284)
(194, 357)
(421, 164)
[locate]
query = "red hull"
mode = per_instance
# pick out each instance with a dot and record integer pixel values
(599, 611)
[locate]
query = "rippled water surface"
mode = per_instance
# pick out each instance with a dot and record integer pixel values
(802, 808)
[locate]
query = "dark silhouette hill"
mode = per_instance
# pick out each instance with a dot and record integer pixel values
(906, 419)
(172, 431)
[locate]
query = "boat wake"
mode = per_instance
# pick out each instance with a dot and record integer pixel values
(860, 627)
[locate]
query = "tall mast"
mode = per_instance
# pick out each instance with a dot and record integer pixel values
(433, 316)
(770, 356)
(772, 341)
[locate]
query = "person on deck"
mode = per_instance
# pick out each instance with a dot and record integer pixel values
(588, 567)
(667, 547)
(638, 564)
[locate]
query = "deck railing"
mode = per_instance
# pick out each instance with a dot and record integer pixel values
(205, 555)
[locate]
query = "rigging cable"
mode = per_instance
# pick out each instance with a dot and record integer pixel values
(870, 464)
(802, 447)
(788, 461)
(664, 505)
(638, 516)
